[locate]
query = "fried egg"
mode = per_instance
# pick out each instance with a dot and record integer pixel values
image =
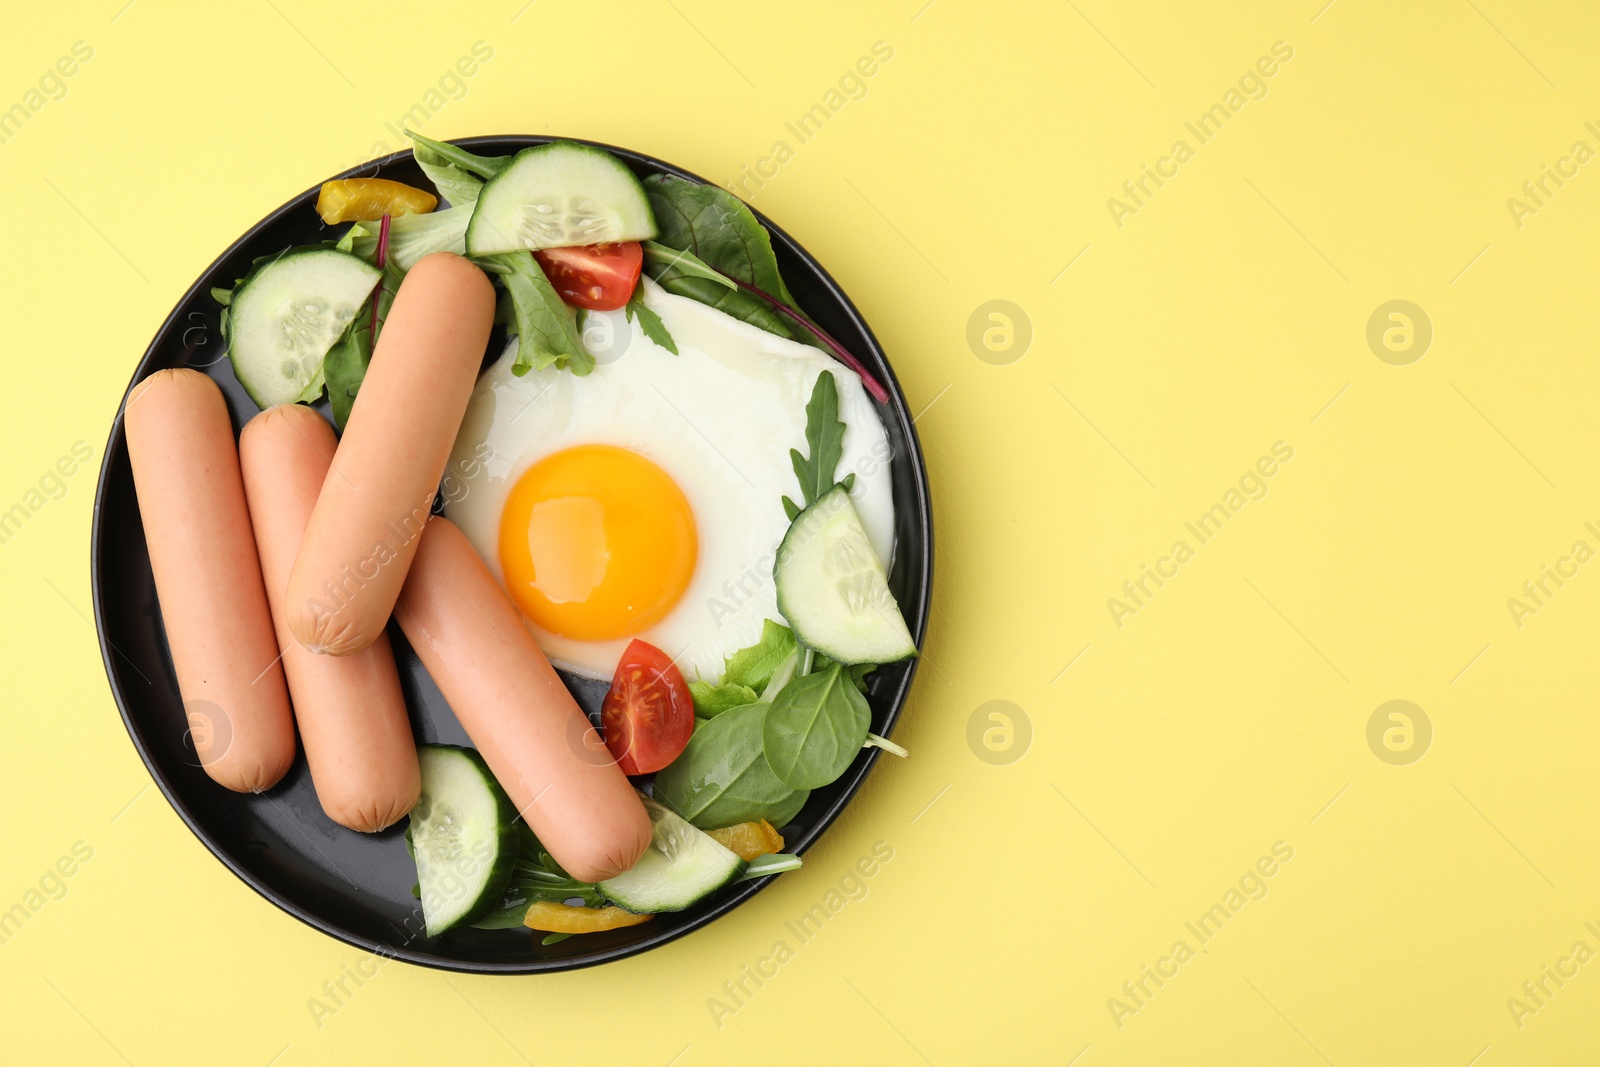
(645, 498)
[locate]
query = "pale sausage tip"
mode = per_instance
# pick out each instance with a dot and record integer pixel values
(450, 261)
(172, 378)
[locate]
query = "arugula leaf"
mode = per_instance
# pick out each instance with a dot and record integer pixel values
(710, 700)
(346, 365)
(483, 166)
(753, 666)
(535, 875)
(814, 729)
(728, 301)
(650, 323)
(545, 326)
(720, 231)
(722, 777)
(686, 263)
(456, 185)
(825, 438)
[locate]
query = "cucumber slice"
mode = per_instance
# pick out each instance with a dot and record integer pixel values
(681, 866)
(558, 195)
(286, 315)
(464, 835)
(832, 589)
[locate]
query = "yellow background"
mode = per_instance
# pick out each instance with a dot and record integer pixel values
(1229, 713)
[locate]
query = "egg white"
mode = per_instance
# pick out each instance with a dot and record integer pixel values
(719, 417)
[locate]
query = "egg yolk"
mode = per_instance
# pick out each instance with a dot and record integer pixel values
(596, 543)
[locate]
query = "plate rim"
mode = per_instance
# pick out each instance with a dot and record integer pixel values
(116, 445)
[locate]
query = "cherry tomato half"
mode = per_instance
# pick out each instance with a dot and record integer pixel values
(648, 715)
(597, 277)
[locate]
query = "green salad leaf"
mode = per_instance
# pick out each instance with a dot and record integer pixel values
(649, 322)
(347, 243)
(825, 439)
(535, 875)
(718, 228)
(712, 700)
(485, 167)
(313, 390)
(413, 236)
(720, 231)
(545, 326)
(723, 777)
(856, 672)
(685, 263)
(753, 666)
(346, 365)
(814, 728)
(457, 185)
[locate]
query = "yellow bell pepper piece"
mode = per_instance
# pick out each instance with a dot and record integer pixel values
(354, 199)
(569, 919)
(747, 840)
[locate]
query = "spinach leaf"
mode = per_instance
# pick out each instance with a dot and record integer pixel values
(650, 323)
(545, 326)
(483, 166)
(721, 232)
(825, 438)
(856, 672)
(710, 700)
(456, 185)
(753, 666)
(346, 365)
(718, 228)
(814, 728)
(723, 778)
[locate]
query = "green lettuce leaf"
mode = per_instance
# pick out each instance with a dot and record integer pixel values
(710, 700)
(545, 326)
(455, 184)
(752, 667)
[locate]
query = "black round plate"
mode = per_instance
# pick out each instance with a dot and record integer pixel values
(354, 886)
